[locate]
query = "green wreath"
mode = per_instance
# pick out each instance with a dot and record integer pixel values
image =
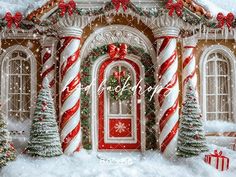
(120, 88)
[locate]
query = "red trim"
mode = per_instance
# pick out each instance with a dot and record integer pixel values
(45, 73)
(165, 43)
(163, 93)
(71, 37)
(187, 47)
(189, 77)
(101, 143)
(68, 114)
(167, 64)
(66, 42)
(46, 56)
(169, 112)
(69, 62)
(169, 37)
(187, 60)
(70, 88)
(52, 83)
(70, 136)
(169, 137)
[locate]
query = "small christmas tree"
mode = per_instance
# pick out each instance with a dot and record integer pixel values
(44, 136)
(7, 152)
(191, 138)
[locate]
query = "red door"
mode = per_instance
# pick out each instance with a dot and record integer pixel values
(119, 121)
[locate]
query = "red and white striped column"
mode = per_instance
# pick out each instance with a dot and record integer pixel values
(49, 63)
(168, 95)
(70, 89)
(189, 63)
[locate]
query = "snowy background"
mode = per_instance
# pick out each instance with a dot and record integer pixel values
(91, 164)
(26, 6)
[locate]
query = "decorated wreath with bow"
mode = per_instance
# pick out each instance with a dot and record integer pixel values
(119, 86)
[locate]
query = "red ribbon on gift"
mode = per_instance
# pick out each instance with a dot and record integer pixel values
(228, 20)
(217, 154)
(67, 7)
(16, 19)
(120, 3)
(114, 51)
(174, 7)
(219, 159)
(118, 75)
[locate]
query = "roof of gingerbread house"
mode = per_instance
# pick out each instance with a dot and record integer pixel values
(193, 6)
(195, 11)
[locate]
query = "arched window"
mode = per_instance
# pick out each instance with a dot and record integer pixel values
(218, 70)
(18, 83)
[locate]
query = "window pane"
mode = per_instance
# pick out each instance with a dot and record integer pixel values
(224, 116)
(211, 85)
(211, 103)
(223, 84)
(211, 116)
(14, 84)
(223, 103)
(25, 67)
(14, 67)
(14, 115)
(25, 115)
(26, 102)
(211, 68)
(126, 107)
(222, 68)
(25, 84)
(22, 54)
(114, 107)
(14, 102)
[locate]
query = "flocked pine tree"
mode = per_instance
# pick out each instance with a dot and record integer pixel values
(7, 152)
(191, 138)
(44, 135)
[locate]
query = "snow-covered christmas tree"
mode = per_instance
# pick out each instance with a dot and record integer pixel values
(191, 139)
(7, 152)
(44, 135)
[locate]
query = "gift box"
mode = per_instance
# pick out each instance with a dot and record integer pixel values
(217, 160)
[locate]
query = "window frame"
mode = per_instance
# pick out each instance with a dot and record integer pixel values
(227, 53)
(5, 58)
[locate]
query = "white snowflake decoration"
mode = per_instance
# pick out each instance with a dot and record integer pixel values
(120, 127)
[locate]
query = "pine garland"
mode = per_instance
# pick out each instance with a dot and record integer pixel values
(187, 15)
(115, 88)
(86, 79)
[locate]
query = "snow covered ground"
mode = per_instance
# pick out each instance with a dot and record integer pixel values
(219, 126)
(91, 164)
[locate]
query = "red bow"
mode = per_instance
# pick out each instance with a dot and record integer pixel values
(114, 51)
(118, 75)
(13, 19)
(177, 7)
(225, 19)
(217, 154)
(67, 7)
(118, 3)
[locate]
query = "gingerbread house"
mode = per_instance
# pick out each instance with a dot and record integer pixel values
(79, 48)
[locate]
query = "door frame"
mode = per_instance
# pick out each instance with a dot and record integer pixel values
(94, 97)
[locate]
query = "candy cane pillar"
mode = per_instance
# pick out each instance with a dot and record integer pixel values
(167, 97)
(70, 89)
(49, 45)
(189, 63)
